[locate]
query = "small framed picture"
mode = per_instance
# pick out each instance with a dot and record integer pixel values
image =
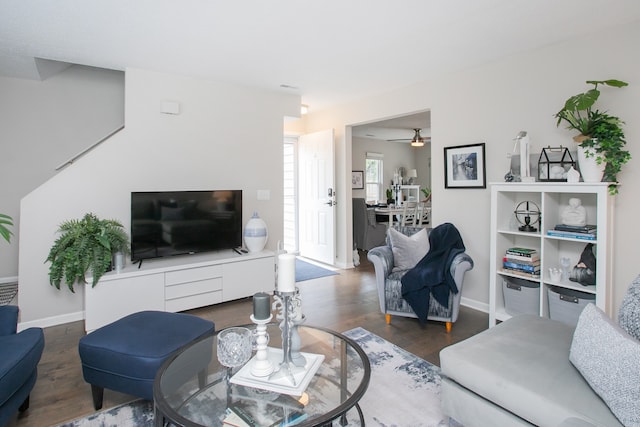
(357, 180)
(464, 166)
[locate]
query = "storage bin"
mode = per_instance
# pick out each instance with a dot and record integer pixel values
(521, 296)
(566, 305)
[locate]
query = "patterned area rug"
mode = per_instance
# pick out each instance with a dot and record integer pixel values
(404, 391)
(138, 413)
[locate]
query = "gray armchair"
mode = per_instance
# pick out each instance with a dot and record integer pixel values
(367, 233)
(390, 288)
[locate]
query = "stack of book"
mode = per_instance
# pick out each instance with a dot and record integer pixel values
(522, 262)
(582, 232)
(251, 411)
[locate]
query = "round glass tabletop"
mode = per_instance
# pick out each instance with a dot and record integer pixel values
(192, 388)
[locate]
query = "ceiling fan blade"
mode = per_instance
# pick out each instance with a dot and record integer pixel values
(416, 137)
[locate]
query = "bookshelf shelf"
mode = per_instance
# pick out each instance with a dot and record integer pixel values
(551, 198)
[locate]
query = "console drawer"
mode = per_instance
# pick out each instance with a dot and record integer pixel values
(192, 288)
(193, 301)
(192, 274)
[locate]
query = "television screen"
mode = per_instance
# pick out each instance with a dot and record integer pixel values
(184, 222)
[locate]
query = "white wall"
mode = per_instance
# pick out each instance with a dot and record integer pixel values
(43, 124)
(226, 137)
(396, 155)
(491, 104)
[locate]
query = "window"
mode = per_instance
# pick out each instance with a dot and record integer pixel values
(290, 235)
(373, 177)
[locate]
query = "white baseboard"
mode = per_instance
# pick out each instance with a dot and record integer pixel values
(476, 305)
(11, 279)
(51, 321)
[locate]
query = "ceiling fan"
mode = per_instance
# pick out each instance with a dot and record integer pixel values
(416, 141)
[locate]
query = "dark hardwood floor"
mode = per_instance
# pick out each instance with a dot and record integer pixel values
(339, 302)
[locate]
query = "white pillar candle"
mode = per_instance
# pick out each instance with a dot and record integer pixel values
(286, 273)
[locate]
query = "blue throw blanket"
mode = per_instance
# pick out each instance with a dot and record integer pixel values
(432, 275)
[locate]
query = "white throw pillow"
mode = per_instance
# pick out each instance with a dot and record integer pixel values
(608, 358)
(408, 250)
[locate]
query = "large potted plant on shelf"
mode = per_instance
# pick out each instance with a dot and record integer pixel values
(600, 138)
(85, 246)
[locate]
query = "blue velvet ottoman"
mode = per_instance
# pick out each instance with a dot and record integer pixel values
(125, 355)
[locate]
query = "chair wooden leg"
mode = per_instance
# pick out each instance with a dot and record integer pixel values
(97, 393)
(387, 318)
(25, 405)
(448, 325)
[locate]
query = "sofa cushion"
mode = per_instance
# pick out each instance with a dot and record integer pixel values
(523, 365)
(629, 313)
(608, 358)
(408, 250)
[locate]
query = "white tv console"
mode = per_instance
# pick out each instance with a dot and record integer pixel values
(178, 283)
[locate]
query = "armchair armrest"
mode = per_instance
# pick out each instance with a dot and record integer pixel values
(8, 319)
(459, 266)
(382, 259)
(382, 256)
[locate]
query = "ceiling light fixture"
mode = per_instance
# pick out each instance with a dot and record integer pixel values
(417, 140)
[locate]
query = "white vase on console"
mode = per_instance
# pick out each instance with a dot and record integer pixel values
(255, 234)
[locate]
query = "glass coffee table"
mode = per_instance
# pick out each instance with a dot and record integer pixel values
(193, 389)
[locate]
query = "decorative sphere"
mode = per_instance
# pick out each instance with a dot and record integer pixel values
(528, 214)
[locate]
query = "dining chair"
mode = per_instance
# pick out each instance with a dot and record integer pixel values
(410, 214)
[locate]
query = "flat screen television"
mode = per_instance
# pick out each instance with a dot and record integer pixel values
(168, 223)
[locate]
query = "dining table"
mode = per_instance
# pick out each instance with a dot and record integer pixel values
(397, 211)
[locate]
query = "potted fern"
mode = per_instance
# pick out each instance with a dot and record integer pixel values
(600, 134)
(85, 246)
(5, 222)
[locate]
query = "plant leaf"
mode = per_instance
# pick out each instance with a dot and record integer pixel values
(610, 82)
(584, 101)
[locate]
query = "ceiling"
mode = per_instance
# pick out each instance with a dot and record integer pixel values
(329, 52)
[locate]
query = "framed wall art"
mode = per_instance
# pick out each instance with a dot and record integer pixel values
(357, 180)
(464, 166)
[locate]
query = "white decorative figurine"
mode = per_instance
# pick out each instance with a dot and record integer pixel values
(573, 175)
(575, 213)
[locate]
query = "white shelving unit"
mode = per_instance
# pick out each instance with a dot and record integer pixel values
(410, 193)
(551, 198)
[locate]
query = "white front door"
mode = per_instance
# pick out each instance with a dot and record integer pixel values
(317, 196)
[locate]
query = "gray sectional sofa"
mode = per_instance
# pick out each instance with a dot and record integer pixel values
(531, 370)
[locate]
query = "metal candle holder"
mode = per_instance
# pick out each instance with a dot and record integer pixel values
(288, 307)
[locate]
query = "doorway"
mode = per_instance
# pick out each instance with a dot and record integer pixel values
(309, 196)
(390, 140)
